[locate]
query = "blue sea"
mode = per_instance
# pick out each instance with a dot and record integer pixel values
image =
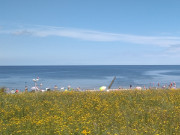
(89, 77)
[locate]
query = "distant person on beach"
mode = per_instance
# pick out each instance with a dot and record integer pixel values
(17, 91)
(174, 85)
(130, 86)
(55, 87)
(78, 88)
(69, 87)
(26, 89)
(170, 85)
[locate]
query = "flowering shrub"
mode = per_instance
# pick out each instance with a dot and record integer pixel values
(91, 113)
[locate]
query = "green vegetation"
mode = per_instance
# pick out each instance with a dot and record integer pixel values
(151, 112)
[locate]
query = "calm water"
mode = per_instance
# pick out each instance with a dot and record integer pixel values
(88, 76)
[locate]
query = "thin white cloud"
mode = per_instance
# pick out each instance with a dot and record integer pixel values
(164, 41)
(23, 32)
(167, 52)
(174, 49)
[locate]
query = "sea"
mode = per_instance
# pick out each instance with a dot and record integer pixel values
(89, 76)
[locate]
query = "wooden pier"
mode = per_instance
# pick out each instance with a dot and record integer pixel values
(109, 87)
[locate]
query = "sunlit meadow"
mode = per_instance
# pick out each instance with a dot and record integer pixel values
(151, 112)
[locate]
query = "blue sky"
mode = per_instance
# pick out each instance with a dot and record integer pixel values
(89, 32)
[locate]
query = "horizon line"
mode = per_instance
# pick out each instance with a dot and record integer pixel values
(100, 65)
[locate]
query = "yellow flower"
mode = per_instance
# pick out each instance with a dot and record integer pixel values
(85, 132)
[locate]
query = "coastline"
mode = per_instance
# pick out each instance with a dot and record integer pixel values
(4, 90)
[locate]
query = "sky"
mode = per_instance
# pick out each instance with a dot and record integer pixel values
(89, 32)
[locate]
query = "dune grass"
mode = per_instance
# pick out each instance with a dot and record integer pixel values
(102, 113)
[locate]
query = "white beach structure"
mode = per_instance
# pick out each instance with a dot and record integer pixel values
(35, 88)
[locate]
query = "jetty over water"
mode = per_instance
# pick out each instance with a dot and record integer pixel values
(109, 87)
